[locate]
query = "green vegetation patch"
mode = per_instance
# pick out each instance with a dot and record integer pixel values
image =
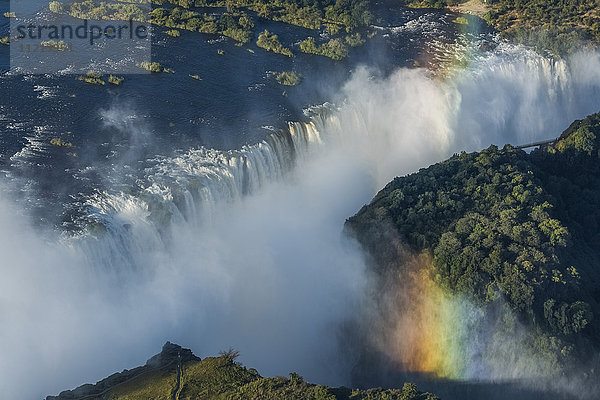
(335, 49)
(56, 7)
(236, 25)
(461, 21)
(92, 77)
(88, 9)
(270, 42)
(354, 40)
(116, 80)
(152, 66)
(177, 15)
(288, 78)
(60, 143)
(346, 14)
(307, 17)
(333, 29)
(55, 45)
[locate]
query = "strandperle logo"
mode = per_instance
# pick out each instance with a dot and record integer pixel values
(48, 39)
(92, 32)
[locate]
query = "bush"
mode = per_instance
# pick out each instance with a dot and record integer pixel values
(335, 49)
(355, 40)
(152, 67)
(56, 7)
(229, 355)
(115, 80)
(237, 34)
(209, 27)
(92, 77)
(53, 44)
(288, 78)
(270, 42)
(60, 143)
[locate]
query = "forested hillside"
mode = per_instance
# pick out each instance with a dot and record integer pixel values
(558, 26)
(505, 224)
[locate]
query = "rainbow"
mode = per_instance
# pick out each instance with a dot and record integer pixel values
(428, 330)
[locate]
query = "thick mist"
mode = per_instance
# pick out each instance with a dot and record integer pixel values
(269, 272)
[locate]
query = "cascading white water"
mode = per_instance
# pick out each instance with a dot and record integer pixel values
(510, 96)
(188, 188)
(242, 248)
(201, 178)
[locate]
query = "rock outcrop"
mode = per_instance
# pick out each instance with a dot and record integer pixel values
(167, 358)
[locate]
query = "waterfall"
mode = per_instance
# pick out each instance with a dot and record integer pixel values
(187, 188)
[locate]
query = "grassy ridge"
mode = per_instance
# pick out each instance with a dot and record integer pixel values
(219, 378)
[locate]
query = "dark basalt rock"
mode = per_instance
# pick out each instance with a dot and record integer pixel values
(169, 354)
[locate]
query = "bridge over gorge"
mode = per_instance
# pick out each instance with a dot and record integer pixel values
(536, 144)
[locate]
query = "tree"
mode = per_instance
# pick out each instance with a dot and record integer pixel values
(56, 7)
